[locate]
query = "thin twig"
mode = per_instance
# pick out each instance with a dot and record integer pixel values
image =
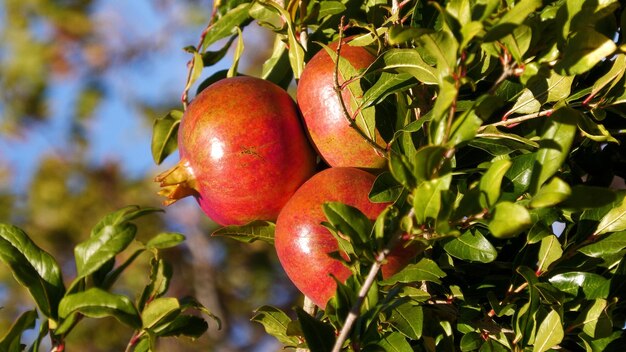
(352, 123)
(518, 119)
(367, 285)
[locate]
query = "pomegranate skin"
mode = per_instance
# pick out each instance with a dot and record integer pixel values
(302, 243)
(336, 142)
(244, 149)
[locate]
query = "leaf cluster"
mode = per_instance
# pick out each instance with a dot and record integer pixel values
(91, 294)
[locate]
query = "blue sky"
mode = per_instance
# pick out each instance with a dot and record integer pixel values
(117, 131)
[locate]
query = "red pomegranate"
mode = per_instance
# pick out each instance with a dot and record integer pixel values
(337, 143)
(243, 152)
(303, 244)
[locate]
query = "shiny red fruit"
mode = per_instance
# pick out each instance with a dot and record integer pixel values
(303, 244)
(243, 151)
(337, 143)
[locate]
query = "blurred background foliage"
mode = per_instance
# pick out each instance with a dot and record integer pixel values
(81, 82)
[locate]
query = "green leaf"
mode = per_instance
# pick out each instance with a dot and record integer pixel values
(319, 336)
(472, 246)
(387, 84)
(584, 50)
(277, 68)
(196, 69)
(108, 238)
(328, 8)
(349, 220)
(165, 240)
(427, 199)
(385, 189)
(512, 17)
(407, 61)
(186, 325)
(275, 323)
(608, 245)
(160, 311)
(440, 47)
(595, 320)
(549, 251)
(33, 268)
(551, 194)
(253, 231)
(430, 163)
(11, 339)
(225, 25)
(593, 285)
(160, 275)
(491, 182)
(612, 77)
(542, 89)
(232, 71)
(556, 141)
(517, 178)
(550, 332)
(614, 220)
(509, 220)
(165, 136)
(588, 197)
(464, 128)
(424, 270)
(395, 342)
(97, 303)
(408, 319)
(471, 341)
(518, 42)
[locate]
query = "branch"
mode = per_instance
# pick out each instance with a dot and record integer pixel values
(367, 285)
(518, 119)
(337, 87)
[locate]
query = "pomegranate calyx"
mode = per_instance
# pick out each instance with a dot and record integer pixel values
(177, 182)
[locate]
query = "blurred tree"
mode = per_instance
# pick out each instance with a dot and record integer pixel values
(83, 49)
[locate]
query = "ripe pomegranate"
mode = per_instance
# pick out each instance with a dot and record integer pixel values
(337, 143)
(243, 152)
(303, 244)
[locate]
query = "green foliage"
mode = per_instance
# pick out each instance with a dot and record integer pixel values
(91, 294)
(499, 110)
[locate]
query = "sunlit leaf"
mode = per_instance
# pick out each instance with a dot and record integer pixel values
(254, 231)
(491, 182)
(275, 323)
(424, 270)
(552, 193)
(550, 332)
(165, 135)
(549, 251)
(33, 268)
(472, 246)
(509, 220)
(10, 341)
(225, 25)
(583, 51)
(409, 320)
(97, 303)
(614, 220)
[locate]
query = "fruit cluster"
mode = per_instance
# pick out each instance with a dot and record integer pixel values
(249, 158)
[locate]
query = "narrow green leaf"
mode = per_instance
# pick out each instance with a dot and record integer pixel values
(491, 182)
(556, 141)
(186, 325)
(614, 220)
(275, 322)
(512, 17)
(407, 61)
(97, 303)
(430, 163)
(440, 47)
(509, 220)
(593, 285)
(11, 339)
(165, 240)
(196, 69)
(160, 275)
(614, 75)
(611, 244)
(595, 320)
(395, 342)
(349, 220)
(387, 84)
(225, 25)
(551, 194)
(319, 336)
(464, 128)
(472, 246)
(253, 231)
(165, 136)
(427, 199)
(408, 319)
(583, 51)
(33, 268)
(232, 71)
(160, 311)
(549, 251)
(385, 189)
(550, 332)
(542, 89)
(424, 270)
